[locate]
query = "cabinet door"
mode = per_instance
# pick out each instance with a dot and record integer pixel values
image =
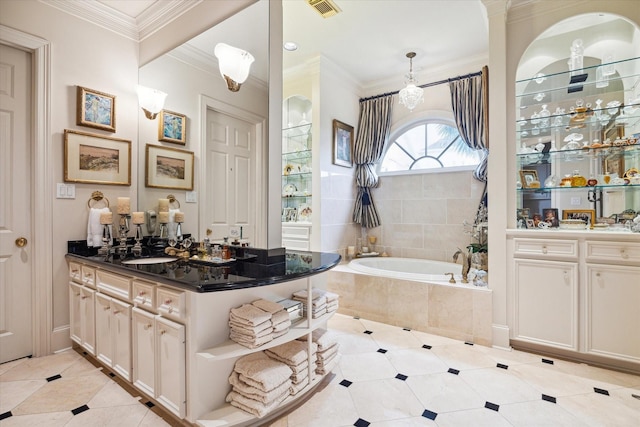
(104, 344)
(75, 318)
(612, 316)
(546, 303)
(170, 352)
(144, 351)
(87, 322)
(121, 336)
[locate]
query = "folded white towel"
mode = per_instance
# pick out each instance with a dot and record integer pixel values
(332, 307)
(282, 326)
(262, 372)
(331, 296)
(249, 314)
(253, 406)
(268, 306)
(328, 366)
(255, 393)
(293, 352)
(315, 294)
(315, 302)
(326, 356)
(324, 338)
(248, 342)
(280, 333)
(248, 334)
(279, 317)
(251, 330)
(94, 228)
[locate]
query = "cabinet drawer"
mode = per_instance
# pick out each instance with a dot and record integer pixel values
(89, 276)
(622, 252)
(297, 245)
(171, 303)
(546, 248)
(114, 285)
(75, 272)
(144, 295)
(295, 232)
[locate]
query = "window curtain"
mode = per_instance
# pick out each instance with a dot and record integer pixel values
(470, 104)
(374, 124)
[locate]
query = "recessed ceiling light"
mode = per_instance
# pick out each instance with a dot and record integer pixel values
(290, 46)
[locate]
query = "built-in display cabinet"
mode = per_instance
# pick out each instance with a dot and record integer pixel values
(573, 284)
(297, 174)
(577, 137)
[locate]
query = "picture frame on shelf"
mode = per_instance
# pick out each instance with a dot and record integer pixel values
(289, 214)
(587, 215)
(95, 109)
(342, 144)
(523, 213)
(530, 223)
(167, 167)
(172, 127)
(96, 159)
(550, 216)
(614, 164)
(528, 178)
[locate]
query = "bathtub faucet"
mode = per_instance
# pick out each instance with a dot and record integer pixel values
(451, 279)
(466, 263)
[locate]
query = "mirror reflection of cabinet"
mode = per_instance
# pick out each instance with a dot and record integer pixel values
(297, 173)
(583, 122)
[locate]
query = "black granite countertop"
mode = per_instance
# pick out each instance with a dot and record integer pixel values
(200, 276)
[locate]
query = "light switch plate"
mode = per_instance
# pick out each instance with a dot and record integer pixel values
(191, 197)
(575, 201)
(65, 191)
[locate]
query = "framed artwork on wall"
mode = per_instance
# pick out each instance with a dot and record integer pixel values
(95, 109)
(167, 167)
(96, 159)
(172, 127)
(342, 144)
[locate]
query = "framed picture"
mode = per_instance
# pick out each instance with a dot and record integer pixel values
(96, 159)
(530, 223)
(167, 167)
(342, 144)
(524, 213)
(172, 127)
(550, 216)
(95, 109)
(289, 215)
(614, 164)
(587, 215)
(528, 177)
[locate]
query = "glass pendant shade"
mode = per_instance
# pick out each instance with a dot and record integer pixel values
(411, 95)
(151, 101)
(234, 65)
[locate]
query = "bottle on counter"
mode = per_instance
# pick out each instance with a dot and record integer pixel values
(225, 252)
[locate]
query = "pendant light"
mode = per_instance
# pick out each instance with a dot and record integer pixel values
(411, 95)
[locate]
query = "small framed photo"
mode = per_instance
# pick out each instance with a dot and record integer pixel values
(524, 213)
(167, 167)
(172, 127)
(342, 144)
(95, 109)
(96, 159)
(530, 223)
(587, 215)
(528, 178)
(614, 164)
(550, 216)
(289, 215)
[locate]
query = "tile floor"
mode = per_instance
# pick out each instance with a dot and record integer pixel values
(387, 377)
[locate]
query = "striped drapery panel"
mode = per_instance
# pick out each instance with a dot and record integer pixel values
(374, 125)
(469, 101)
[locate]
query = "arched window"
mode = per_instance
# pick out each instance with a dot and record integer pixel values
(428, 145)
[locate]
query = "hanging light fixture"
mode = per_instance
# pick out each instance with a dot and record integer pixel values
(151, 101)
(411, 95)
(234, 65)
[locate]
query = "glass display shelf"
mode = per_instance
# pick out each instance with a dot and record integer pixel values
(297, 155)
(594, 188)
(626, 151)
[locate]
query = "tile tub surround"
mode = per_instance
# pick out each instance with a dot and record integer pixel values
(434, 381)
(460, 312)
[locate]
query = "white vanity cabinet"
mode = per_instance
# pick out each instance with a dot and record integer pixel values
(576, 294)
(113, 334)
(81, 300)
(159, 345)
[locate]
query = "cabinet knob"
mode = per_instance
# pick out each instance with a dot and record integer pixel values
(141, 293)
(162, 332)
(624, 254)
(77, 294)
(544, 250)
(84, 297)
(116, 312)
(107, 308)
(147, 326)
(168, 301)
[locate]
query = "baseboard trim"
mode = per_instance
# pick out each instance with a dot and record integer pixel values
(61, 339)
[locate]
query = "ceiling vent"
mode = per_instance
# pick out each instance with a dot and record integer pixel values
(326, 8)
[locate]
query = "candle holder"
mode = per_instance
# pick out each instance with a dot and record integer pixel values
(137, 247)
(106, 240)
(179, 236)
(164, 231)
(123, 230)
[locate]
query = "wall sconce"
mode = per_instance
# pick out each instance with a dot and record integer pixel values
(151, 101)
(234, 65)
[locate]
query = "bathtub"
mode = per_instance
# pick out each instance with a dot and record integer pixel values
(414, 294)
(422, 270)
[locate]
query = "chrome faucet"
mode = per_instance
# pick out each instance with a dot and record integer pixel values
(466, 263)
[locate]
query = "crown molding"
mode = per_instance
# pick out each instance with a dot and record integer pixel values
(151, 20)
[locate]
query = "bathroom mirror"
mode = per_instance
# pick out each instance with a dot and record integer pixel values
(190, 75)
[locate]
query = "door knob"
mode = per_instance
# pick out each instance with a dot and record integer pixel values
(21, 242)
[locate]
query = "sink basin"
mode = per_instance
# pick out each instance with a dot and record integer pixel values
(144, 261)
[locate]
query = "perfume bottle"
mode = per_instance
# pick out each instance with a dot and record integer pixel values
(578, 180)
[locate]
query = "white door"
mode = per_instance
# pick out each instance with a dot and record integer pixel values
(16, 338)
(230, 185)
